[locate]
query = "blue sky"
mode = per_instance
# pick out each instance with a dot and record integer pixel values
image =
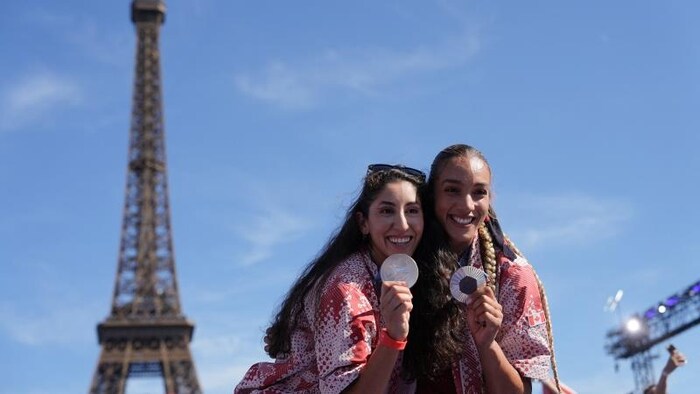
(587, 112)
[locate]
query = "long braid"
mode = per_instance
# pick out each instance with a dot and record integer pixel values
(545, 302)
(488, 260)
(488, 253)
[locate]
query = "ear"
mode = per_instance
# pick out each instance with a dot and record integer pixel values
(362, 223)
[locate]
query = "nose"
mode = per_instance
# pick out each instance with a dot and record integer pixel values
(401, 221)
(469, 202)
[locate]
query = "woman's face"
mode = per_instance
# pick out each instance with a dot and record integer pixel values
(394, 221)
(462, 199)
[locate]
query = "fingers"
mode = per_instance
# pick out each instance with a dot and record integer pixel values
(481, 305)
(678, 359)
(486, 317)
(396, 305)
(482, 298)
(396, 296)
(484, 310)
(484, 291)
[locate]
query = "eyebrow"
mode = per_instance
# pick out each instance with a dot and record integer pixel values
(393, 204)
(459, 182)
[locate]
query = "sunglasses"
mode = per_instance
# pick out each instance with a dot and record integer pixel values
(373, 168)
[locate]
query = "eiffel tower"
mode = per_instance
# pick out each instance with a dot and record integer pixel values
(146, 333)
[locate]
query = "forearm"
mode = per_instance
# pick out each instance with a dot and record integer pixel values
(661, 385)
(375, 376)
(499, 375)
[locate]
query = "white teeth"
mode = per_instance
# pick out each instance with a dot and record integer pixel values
(462, 220)
(399, 240)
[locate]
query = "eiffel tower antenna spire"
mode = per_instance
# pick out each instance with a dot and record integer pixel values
(146, 333)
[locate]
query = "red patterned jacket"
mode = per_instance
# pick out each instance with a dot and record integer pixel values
(334, 338)
(523, 335)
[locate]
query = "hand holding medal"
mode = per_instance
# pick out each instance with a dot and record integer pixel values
(484, 313)
(465, 281)
(395, 302)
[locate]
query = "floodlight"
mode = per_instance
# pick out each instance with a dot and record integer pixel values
(636, 337)
(633, 325)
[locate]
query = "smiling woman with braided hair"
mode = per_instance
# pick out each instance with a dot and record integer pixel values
(502, 338)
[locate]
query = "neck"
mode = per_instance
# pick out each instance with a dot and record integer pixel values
(373, 255)
(461, 247)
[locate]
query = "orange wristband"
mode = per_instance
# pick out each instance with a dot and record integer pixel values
(386, 340)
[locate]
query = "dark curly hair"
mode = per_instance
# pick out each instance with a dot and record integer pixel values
(438, 330)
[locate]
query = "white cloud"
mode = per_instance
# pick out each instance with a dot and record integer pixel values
(109, 47)
(97, 41)
(223, 377)
(223, 360)
(226, 345)
(37, 97)
(568, 219)
(50, 309)
(266, 231)
(237, 288)
(49, 324)
(280, 85)
(264, 217)
(366, 71)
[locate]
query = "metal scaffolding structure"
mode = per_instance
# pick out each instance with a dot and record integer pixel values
(636, 336)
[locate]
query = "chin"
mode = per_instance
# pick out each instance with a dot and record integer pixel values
(408, 251)
(461, 240)
(462, 237)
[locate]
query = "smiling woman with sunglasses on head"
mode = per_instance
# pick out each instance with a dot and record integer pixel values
(339, 328)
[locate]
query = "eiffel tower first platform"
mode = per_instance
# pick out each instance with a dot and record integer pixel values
(146, 333)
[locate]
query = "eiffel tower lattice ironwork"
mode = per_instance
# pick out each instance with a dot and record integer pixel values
(146, 333)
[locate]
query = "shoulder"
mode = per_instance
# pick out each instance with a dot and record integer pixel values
(519, 282)
(520, 291)
(349, 286)
(518, 279)
(517, 268)
(351, 271)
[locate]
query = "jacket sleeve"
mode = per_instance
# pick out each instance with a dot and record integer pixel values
(523, 336)
(345, 330)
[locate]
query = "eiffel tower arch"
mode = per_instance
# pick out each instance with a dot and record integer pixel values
(146, 333)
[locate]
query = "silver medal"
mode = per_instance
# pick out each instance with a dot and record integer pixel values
(399, 267)
(465, 281)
